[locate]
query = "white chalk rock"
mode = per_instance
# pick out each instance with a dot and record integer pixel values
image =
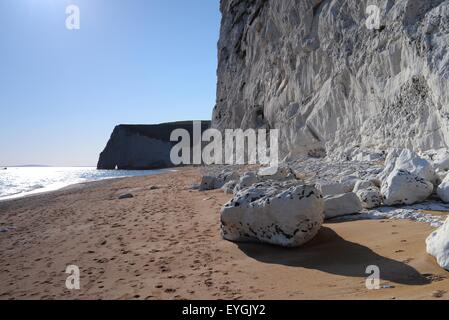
(217, 182)
(390, 163)
(363, 185)
(247, 180)
(225, 177)
(229, 187)
(441, 176)
(370, 197)
(280, 173)
(443, 190)
(274, 213)
(207, 183)
(439, 158)
(438, 245)
(403, 187)
(411, 162)
(331, 188)
(341, 205)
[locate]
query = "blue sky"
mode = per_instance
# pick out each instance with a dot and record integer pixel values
(132, 61)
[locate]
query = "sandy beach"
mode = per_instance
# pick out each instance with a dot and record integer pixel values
(165, 243)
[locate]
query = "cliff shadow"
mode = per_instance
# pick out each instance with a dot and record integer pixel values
(330, 253)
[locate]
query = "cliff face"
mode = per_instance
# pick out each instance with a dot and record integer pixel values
(141, 147)
(313, 69)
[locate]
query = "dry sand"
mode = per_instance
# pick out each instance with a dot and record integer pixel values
(165, 244)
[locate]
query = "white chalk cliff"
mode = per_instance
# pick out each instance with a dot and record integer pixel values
(313, 69)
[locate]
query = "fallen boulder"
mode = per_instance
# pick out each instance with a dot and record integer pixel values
(439, 158)
(443, 190)
(438, 245)
(411, 162)
(341, 205)
(370, 197)
(229, 187)
(281, 214)
(247, 180)
(403, 187)
(207, 183)
(217, 182)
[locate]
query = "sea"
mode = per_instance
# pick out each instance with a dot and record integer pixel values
(16, 182)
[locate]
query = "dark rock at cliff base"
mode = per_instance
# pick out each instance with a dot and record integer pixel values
(143, 147)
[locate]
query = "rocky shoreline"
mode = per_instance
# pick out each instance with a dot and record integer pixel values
(279, 209)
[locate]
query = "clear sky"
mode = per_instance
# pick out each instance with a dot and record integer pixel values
(132, 61)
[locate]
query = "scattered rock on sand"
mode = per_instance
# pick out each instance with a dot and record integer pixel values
(207, 183)
(282, 214)
(403, 187)
(229, 187)
(370, 197)
(126, 196)
(341, 205)
(438, 245)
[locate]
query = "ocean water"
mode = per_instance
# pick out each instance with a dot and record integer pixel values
(16, 182)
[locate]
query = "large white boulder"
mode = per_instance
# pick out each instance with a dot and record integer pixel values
(403, 187)
(370, 197)
(439, 158)
(443, 190)
(438, 245)
(410, 161)
(341, 205)
(390, 163)
(276, 213)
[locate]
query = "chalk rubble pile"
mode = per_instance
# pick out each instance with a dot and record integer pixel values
(283, 210)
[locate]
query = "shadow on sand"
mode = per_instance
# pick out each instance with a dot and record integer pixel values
(328, 252)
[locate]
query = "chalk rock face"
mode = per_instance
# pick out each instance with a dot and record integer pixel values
(438, 245)
(370, 197)
(282, 214)
(443, 190)
(142, 146)
(403, 187)
(341, 205)
(315, 71)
